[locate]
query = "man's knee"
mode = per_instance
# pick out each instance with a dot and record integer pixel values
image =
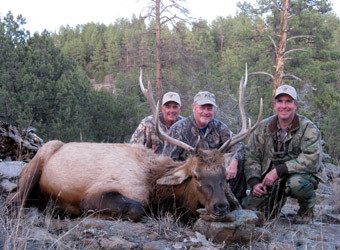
(302, 188)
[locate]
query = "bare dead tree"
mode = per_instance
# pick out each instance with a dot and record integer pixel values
(164, 11)
(280, 49)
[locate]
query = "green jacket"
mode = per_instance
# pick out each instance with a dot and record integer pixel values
(302, 150)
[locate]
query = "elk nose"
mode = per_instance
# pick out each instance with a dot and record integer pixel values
(221, 208)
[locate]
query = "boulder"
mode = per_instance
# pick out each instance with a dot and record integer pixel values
(243, 229)
(9, 173)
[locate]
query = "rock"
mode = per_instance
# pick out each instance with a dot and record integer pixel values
(156, 245)
(40, 234)
(7, 186)
(261, 234)
(201, 240)
(2, 241)
(9, 173)
(90, 223)
(11, 169)
(331, 218)
(116, 242)
(240, 230)
(310, 236)
(332, 171)
(204, 215)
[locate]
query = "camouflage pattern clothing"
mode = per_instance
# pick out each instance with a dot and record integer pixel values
(297, 159)
(146, 134)
(215, 135)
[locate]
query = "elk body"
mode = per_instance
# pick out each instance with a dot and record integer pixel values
(124, 180)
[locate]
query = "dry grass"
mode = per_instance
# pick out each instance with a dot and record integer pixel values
(32, 229)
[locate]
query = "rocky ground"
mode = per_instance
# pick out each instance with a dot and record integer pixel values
(36, 230)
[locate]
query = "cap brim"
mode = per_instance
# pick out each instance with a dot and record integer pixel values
(171, 101)
(206, 102)
(284, 94)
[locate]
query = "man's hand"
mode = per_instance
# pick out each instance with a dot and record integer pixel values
(259, 190)
(270, 178)
(231, 170)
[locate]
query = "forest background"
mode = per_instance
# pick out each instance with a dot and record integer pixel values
(47, 80)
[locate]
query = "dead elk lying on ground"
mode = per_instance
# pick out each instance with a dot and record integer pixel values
(122, 180)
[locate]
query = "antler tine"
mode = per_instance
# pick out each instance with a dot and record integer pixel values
(166, 137)
(244, 131)
(243, 84)
(259, 117)
(240, 137)
(147, 92)
(252, 128)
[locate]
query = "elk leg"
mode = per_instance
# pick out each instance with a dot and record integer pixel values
(113, 204)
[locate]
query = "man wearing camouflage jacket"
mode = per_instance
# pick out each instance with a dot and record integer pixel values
(213, 133)
(283, 158)
(146, 134)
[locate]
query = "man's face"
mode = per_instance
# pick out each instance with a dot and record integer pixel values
(203, 114)
(171, 110)
(285, 107)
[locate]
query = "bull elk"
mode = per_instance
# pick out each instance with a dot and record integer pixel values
(125, 180)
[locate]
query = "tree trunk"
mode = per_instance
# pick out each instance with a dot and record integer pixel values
(158, 53)
(281, 48)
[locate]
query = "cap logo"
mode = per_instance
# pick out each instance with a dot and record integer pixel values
(285, 88)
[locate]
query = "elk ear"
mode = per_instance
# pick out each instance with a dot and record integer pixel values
(173, 179)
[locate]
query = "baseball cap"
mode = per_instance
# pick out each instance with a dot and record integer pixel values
(171, 97)
(288, 90)
(205, 97)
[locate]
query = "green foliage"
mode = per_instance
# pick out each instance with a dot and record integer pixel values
(41, 87)
(331, 128)
(45, 78)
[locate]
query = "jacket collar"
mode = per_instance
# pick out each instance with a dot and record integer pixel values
(272, 126)
(161, 118)
(208, 128)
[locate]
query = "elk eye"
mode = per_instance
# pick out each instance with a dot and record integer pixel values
(196, 177)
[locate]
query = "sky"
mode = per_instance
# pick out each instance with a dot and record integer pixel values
(51, 15)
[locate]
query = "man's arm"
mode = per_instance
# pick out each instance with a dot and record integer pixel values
(171, 150)
(232, 168)
(308, 161)
(142, 134)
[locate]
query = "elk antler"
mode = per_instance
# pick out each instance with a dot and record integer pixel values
(168, 138)
(244, 131)
(147, 92)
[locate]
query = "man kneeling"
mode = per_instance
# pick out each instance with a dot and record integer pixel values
(283, 158)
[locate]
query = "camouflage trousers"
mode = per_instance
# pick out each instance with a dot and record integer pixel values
(299, 186)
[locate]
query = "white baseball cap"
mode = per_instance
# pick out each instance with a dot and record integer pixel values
(286, 89)
(171, 97)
